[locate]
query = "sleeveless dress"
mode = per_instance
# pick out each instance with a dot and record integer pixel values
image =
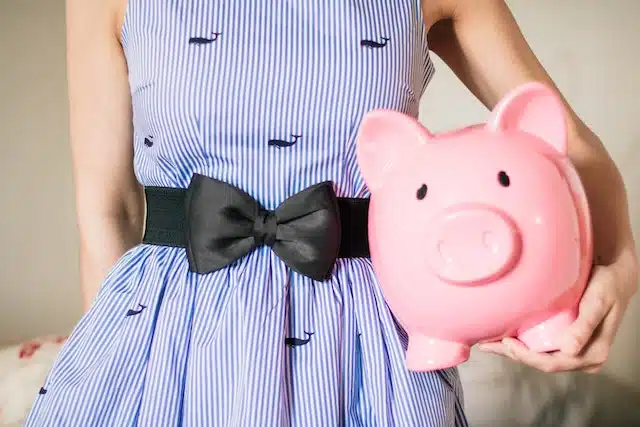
(266, 95)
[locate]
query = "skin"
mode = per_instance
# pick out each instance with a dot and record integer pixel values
(109, 201)
(478, 39)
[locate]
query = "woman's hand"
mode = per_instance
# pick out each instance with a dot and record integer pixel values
(588, 341)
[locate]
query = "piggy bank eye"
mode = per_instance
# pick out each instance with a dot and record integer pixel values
(503, 179)
(422, 192)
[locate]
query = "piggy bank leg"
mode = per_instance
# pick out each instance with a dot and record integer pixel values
(429, 354)
(545, 336)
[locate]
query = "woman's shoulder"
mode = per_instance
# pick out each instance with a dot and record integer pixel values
(437, 10)
(95, 16)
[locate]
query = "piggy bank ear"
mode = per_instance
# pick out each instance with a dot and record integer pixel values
(385, 137)
(533, 108)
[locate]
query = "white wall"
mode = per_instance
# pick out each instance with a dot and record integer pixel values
(590, 47)
(38, 264)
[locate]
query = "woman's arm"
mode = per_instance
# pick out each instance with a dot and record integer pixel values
(483, 45)
(109, 201)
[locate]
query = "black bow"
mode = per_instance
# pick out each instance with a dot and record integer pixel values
(224, 224)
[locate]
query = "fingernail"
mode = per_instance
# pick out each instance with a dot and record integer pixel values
(509, 344)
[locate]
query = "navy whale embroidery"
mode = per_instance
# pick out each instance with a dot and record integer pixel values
(374, 44)
(284, 143)
(297, 342)
(132, 312)
(205, 40)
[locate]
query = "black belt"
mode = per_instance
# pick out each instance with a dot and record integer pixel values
(218, 223)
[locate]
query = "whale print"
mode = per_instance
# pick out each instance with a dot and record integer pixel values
(297, 342)
(132, 312)
(204, 40)
(374, 44)
(284, 143)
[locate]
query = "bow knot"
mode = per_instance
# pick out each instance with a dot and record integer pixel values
(225, 223)
(265, 228)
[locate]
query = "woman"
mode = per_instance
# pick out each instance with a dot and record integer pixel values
(267, 97)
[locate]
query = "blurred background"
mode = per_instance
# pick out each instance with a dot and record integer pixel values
(589, 47)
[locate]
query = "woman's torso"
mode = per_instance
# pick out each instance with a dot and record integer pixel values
(267, 96)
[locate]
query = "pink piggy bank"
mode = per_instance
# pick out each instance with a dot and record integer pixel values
(479, 233)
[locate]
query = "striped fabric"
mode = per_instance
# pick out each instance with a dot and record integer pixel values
(266, 95)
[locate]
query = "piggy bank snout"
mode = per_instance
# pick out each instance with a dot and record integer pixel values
(472, 245)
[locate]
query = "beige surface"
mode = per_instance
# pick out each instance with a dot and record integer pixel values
(590, 47)
(38, 266)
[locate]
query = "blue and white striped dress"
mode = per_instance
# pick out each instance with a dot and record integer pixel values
(268, 96)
